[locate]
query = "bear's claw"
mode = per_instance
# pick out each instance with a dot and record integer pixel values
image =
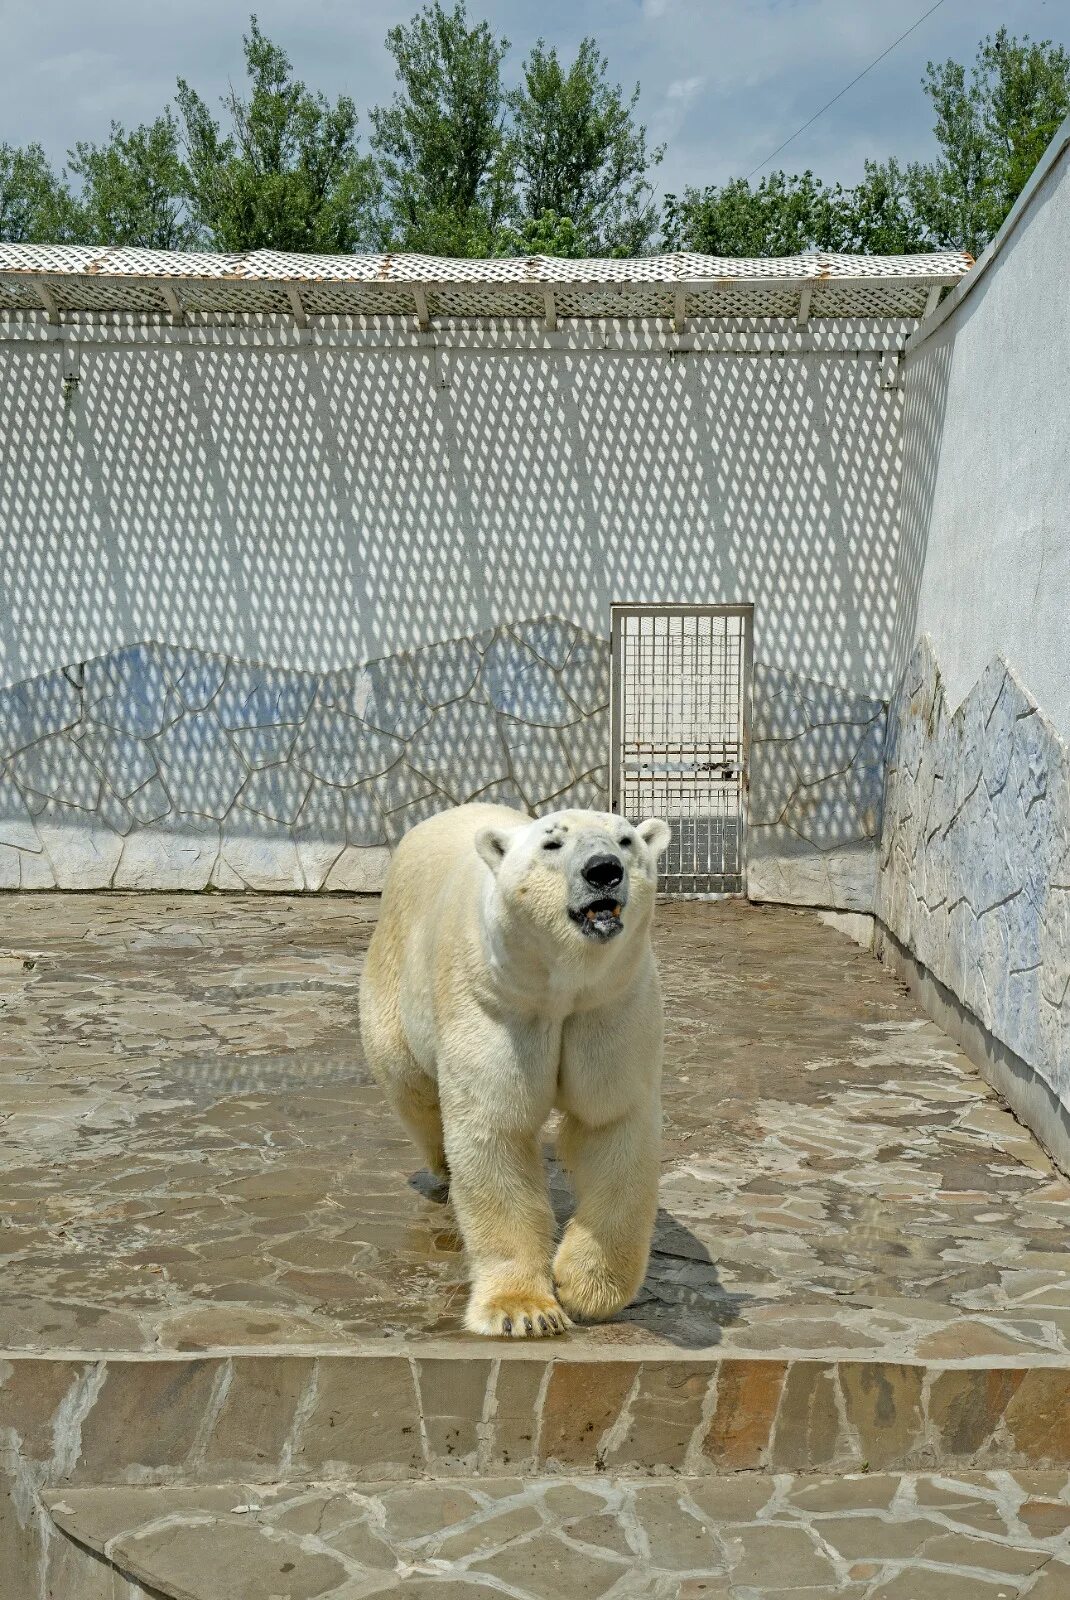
(517, 1316)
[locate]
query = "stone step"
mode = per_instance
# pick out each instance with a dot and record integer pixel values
(980, 1536)
(385, 1415)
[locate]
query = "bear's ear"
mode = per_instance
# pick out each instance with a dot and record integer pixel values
(655, 834)
(491, 845)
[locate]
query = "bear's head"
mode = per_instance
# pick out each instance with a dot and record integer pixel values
(576, 875)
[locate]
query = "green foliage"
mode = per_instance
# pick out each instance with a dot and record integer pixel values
(785, 215)
(132, 189)
(993, 124)
(288, 175)
(441, 146)
(779, 216)
(992, 127)
(35, 206)
(578, 153)
(880, 215)
(545, 235)
(558, 166)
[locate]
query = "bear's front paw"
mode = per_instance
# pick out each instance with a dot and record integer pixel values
(515, 1311)
(589, 1284)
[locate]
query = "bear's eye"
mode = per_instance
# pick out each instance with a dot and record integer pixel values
(627, 840)
(551, 844)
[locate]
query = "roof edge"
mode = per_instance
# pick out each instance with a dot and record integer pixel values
(681, 269)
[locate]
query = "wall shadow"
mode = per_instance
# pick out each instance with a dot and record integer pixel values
(320, 505)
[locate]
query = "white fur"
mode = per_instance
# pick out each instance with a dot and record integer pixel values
(483, 1007)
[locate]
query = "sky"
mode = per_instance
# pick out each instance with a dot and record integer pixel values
(723, 81)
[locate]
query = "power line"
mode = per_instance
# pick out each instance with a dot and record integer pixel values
(876, 60)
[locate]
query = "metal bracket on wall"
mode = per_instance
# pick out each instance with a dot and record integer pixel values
(174, 304)
(49, 301)
(297, 305)
(891, 362)
(423, 316)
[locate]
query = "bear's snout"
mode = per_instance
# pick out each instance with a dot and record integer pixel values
(603, 871)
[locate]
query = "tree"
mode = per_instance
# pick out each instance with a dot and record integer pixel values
(579, 154)
(288, 176)
(992, 128)
(545, 235)
(35, 206)
(133, 189)
(440, 143)
(779, 216)
(993, 124)
(783, 216)
(559, 166)
(880, 216)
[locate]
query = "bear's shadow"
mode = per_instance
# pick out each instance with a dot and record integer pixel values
(682, 1299)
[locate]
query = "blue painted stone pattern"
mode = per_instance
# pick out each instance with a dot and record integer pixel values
(163, 767)
(817, 779)
(975, 855)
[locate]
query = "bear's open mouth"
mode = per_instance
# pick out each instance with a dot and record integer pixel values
(598, 920)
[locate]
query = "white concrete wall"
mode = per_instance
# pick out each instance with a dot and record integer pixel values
(974, 877)
(323, 504)
(987, 461)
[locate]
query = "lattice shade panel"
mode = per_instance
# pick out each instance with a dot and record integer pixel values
(640, 300)
(357, 300)
(73, 279)
(464, 301)
(232, 296)
(872, 299)
(742, 300)
(15, 296)
(98, 294)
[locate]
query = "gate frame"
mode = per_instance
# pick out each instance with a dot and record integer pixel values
(618, 610)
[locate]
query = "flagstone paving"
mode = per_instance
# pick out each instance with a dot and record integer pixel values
(220, 1269)
(193, 1155)
(911, 1537)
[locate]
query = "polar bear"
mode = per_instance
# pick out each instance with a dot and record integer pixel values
(511, 972)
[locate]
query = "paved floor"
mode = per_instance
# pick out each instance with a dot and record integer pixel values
(981, 1537)
(860, 1259)
(194, 1156)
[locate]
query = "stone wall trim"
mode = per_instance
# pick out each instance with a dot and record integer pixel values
(1031, 1099)
(165, 768)
(158, 767)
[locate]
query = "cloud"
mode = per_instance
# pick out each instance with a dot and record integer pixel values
(684, 89)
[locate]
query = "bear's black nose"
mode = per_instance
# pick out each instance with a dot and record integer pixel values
(603, 872)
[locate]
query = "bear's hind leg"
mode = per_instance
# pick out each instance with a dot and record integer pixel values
(414, 1097)
(412, 1093)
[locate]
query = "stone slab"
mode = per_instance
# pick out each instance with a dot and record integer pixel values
(540, 1539)
(138, 748)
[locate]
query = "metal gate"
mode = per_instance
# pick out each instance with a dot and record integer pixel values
(679, 736)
